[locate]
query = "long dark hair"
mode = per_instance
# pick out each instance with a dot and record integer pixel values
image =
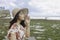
(15, 20)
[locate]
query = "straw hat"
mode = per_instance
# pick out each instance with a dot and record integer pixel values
(15, 10)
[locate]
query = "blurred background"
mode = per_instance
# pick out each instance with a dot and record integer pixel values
(44, 15)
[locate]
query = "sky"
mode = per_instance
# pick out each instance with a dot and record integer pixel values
(36, 8)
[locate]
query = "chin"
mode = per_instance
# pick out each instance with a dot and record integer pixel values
(22, 19)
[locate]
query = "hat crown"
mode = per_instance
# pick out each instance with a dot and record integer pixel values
(15, 10)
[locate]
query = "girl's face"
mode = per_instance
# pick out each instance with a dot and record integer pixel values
(21, 16)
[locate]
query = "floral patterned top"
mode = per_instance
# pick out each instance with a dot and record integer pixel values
(16, 32)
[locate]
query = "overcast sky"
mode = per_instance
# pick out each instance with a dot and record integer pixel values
(36, 7)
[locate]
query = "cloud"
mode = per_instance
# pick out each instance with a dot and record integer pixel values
(48, 7)
(36, 7)
(11, 3)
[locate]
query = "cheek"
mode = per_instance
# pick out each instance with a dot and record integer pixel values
(21, 17)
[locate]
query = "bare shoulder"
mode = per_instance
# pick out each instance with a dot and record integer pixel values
(14, 25)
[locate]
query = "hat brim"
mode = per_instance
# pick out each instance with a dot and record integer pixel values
(16, 10)
(24, 10)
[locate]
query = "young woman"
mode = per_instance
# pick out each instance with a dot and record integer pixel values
(18, 25)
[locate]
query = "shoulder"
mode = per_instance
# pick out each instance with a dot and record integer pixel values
(14, 25)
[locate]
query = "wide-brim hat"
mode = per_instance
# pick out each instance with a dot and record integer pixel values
(16, 10)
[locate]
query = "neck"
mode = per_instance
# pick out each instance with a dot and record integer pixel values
(18, 21)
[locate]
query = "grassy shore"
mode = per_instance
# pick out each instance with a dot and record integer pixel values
(40, 29)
